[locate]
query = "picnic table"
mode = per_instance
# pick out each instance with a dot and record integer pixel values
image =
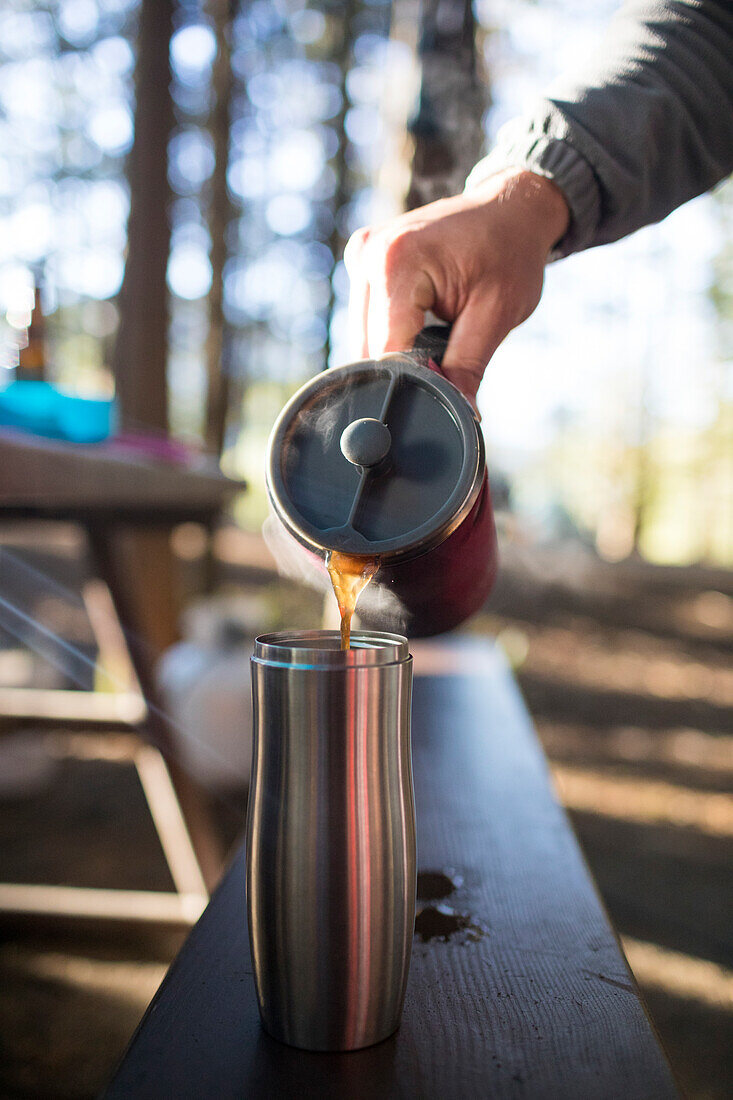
(518, 986)
(127, 494)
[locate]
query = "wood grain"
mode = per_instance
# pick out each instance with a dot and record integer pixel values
(45, 478)
(536, 1001)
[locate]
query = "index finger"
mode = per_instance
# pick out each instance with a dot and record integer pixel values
(355, 263)
(400, 292)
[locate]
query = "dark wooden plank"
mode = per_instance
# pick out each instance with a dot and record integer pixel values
(46, 478)
(535, 1001)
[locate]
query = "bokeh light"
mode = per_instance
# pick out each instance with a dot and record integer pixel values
(189, 271)
(193, 49)
(314, 153)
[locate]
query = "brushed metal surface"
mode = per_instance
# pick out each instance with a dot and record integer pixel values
(331, 865)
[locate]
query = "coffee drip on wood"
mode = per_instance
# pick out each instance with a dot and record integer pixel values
(349, 576)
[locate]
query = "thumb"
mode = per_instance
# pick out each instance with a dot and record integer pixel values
(397, 308)
(476, 334)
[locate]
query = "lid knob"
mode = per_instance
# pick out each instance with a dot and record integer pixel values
(365, 442)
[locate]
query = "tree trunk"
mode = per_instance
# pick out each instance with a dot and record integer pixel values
(220, 214)
(141, 349)
(341, 55)
(446, 129)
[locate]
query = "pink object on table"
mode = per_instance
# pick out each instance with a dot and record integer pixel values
(150, 445)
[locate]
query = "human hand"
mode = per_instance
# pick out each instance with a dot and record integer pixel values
(476, 260)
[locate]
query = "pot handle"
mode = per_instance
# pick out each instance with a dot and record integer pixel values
(431, 344)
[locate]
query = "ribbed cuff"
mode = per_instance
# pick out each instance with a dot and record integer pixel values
(558, 161)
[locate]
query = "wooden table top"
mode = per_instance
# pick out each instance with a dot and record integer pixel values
(529, 997)
(46, 478)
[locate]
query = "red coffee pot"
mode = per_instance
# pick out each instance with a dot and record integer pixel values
(384, 458)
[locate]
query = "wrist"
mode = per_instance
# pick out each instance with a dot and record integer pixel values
(539, 198)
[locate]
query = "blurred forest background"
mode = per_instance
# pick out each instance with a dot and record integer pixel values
(290, 124)
(177, 182)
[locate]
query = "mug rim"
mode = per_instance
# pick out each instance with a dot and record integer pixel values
(322, 648)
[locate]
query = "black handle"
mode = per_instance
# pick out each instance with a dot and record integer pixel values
(432, 342)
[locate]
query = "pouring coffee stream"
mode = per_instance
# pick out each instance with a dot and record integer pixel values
(378, 468)
(349, 577)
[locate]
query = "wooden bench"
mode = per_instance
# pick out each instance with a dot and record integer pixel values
(518, 986)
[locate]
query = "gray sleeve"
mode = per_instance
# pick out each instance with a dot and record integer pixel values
(646, 125)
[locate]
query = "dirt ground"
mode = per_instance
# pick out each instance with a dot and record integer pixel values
(628, 673)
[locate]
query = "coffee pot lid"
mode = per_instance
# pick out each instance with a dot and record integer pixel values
(380, 457)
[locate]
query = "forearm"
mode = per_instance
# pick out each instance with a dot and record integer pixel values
(646, 126)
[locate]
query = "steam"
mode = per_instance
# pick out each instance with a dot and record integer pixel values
(323, 422)
(380, 608)
(293, 560)
(327, 414)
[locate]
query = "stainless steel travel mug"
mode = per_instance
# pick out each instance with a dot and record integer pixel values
(331, 869)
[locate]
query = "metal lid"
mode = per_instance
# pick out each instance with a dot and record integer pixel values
(381, 457)
(322, 649)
